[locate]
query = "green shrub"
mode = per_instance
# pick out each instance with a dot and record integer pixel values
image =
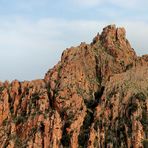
(132, 108)
(145, 143)
(5, 122)
(1, 89)
(19, 120)
(140, 96)
(129, 66)
(66, 136)
(97, 124)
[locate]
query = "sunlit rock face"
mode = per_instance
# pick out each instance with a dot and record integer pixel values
(96, 96)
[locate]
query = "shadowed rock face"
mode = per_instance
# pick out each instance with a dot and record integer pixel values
(96, 96)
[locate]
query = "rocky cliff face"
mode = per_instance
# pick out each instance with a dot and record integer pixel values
(96, 96)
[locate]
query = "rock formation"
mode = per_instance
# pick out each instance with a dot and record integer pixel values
(96, 96)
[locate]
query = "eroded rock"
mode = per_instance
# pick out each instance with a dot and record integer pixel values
(96, 96)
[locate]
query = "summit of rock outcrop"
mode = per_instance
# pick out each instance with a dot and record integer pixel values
(96, 96)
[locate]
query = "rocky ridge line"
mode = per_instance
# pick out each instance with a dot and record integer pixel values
(96, 96)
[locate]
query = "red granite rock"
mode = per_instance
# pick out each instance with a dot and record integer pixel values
(96, 96)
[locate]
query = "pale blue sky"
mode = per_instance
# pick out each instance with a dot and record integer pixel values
(33, 33)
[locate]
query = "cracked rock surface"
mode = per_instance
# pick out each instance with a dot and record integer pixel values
(96, 96)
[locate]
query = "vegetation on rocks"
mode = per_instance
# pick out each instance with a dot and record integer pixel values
(96, 96)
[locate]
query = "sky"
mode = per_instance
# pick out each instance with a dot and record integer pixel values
(34, 33)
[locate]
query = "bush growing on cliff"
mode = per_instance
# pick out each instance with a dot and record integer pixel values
(145, 143)
(1, 89)
(4, 123)
(140, 96)
(19, 120)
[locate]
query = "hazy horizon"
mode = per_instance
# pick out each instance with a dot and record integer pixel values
(34, 33)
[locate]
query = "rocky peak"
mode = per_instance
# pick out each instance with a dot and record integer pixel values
(113, 34)
(113, 41)
(96, 96)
